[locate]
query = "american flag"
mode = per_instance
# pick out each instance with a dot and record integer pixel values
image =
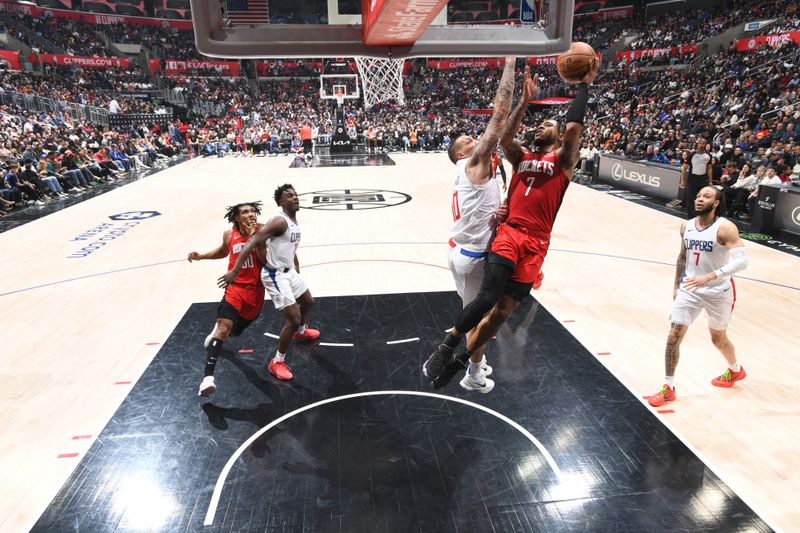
(247, 12)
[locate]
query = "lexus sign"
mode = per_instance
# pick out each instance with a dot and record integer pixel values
(618, 172)
(652, 179)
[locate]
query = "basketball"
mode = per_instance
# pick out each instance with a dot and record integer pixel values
(576, 62)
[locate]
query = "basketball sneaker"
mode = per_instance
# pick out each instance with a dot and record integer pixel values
(487, 370)
(478, 383)
(307, 335)
(728, 378)
(437, 362)
(537, 283)
(455, 364)
(207, 387)
(280, 370)
(666, 394)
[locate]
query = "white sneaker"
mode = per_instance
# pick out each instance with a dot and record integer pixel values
(39, 203)
(483, 386)
(207, 387)
(487, 370)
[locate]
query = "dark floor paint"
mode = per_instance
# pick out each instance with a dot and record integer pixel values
(389, 463)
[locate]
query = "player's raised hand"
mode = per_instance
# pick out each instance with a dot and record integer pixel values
(530, 87)
(194, 256)
(592, 74)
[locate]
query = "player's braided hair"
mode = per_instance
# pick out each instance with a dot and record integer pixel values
(233, 211)
(721, 208)
(280, 190)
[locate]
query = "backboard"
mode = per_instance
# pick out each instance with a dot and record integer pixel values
(333, 28)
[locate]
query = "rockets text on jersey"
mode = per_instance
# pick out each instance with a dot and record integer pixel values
(536, 191)
(250, 274)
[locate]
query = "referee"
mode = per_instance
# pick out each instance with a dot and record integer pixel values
(695, 174)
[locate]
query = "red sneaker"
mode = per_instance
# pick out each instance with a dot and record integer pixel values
(537, 283)
(728, 378)
(666, 394)
(308, 335)
(280, 370)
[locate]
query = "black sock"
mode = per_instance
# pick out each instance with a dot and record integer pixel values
(212, 352)
(451, 341)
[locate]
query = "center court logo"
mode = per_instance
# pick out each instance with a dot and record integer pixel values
(352, 199)
(619, 173)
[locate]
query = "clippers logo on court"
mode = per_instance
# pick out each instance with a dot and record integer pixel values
(105, 233)
(352, 199)
(134, 215)
(619, 173)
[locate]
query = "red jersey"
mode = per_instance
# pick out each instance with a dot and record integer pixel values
(250, 274)
(536, 191)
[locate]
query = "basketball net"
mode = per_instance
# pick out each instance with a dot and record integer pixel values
(381, 80)
(339, 98)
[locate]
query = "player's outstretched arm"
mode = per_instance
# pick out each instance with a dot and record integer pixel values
(487, 144)
(569, 152)
(217, 253)
(511, 147)
(276, 226)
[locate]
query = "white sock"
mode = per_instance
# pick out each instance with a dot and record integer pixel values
(475, 371)
(736, 367)
(670, 380)
(279, 357)
(301, 329)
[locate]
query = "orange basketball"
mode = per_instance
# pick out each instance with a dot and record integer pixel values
(576, 62)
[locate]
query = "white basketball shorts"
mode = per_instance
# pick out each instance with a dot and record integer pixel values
(719, 307)
(283, 286)
(467, 272)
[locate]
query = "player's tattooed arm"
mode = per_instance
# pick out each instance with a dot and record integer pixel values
(511, 147)
(680, 264)
(487, 144)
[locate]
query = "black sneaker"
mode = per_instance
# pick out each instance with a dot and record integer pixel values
(456, 364)
(437, 361)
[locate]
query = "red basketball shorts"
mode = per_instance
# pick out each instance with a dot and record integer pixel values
(246, 299)
(524, 248)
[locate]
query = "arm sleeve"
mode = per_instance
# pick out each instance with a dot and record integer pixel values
(577, 111)
(737, 263)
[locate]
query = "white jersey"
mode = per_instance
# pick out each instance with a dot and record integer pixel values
(474, 210)
(281, 248)
(704, 254)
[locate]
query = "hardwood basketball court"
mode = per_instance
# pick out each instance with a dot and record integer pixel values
(93, 292)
